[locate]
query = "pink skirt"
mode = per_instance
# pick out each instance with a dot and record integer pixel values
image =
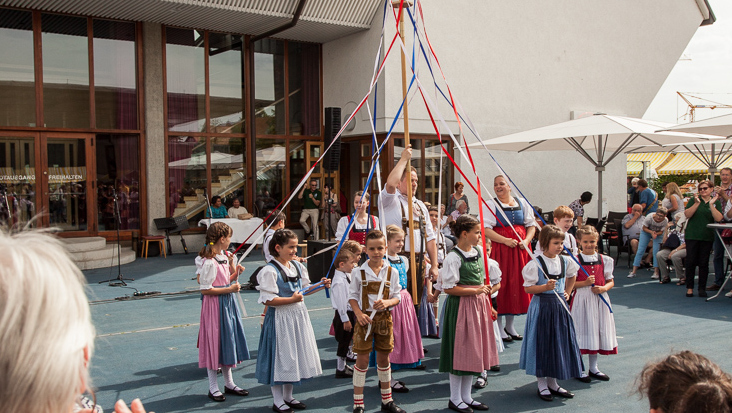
(208, 333)
(407, 337)
(476, 349)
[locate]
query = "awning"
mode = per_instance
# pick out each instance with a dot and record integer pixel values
(656, 160)
(687, 163)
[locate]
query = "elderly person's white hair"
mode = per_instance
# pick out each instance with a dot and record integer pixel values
(459, 203)
(45, 325)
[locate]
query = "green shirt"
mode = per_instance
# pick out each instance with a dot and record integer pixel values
(309, 203)
(696, 228)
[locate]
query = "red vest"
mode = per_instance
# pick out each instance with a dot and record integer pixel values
(359, 235)
(594, 268)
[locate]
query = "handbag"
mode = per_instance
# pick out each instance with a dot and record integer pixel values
(672, 242)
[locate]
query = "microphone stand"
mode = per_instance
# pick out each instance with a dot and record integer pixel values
(120, 280)
(210, 211)
(7, 205)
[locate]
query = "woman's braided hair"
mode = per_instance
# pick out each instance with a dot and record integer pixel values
(215, 232)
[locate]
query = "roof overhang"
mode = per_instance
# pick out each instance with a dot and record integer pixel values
(321, 20)
(706, 11)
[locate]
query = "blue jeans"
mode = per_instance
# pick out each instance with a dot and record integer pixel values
(643, 241)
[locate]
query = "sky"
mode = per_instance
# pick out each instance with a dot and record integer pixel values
(704, 70)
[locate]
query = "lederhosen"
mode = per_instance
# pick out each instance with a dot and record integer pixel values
(418, 256)
(381, 325)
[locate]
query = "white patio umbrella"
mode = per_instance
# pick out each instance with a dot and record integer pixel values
(721, 126)
(599, 138)
(712, 153)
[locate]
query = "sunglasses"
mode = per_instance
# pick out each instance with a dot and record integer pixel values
(704, 188)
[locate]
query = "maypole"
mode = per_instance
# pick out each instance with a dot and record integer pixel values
(410, 195)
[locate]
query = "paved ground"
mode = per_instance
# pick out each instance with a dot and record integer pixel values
(146, 348)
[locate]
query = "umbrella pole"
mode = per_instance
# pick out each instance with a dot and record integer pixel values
(410, 200)
(599, 170)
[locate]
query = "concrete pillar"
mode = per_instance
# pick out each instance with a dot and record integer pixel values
(154, 123)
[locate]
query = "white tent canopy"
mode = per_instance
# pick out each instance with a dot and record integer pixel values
(599, 138)
(721, 126)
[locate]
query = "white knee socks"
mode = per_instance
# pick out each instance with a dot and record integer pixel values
(593, 363)
(456, 384)
(287, 393)
(541, 382)
(213, 385)
(500, 327)
(509, 326)
(465, 387)
(228, 377)
(341, 363)
(279, 401)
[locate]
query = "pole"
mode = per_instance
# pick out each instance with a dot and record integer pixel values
(410, 195)
(599, 170)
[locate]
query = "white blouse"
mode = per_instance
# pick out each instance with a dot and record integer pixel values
(490, 220)
(608, 263)
(207, 270)
(343, 225)
(450, 272)
(553, 265)
(267, 279)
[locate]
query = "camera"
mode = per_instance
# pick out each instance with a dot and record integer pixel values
(331, 201)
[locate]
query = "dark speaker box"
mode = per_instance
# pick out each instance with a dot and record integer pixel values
(332, 159)
(318, 265)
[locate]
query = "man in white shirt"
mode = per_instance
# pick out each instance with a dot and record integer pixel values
(394, 206)
(237, 209)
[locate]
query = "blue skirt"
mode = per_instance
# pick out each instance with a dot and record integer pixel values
(394, 366)
(264, 373)
(549, 348)
(426, 317)
(234, 348)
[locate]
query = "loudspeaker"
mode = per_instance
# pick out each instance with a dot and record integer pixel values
(319, 264)
(332, 126)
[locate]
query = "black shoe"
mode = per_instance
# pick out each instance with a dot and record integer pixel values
(420, 367)
(278, 410)
(219, 398)
(702, 293)
(424, 350)
(358, 410)
(561, 393)
(517, 337)
(495, 368)
(584, 379)
(298, 406)
(351, 359)
(344, 374)
(451, 406)
(476, 405)
(666, 280)
(507, 339)
(600, 376)
(689, 294)
(391, 407)
(545, 397)
(402, 389)
(713, 287)
(240, 392)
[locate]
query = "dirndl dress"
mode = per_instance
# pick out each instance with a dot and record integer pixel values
(468, 340)
(512, 300)
(221, 340)
(593, 321)
(549, 348)
(288, 353)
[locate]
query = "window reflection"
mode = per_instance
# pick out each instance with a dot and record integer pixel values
(304, 88)
(67, 183)
(186, 80)
(298, 168)
(228, 169)
(269, 76)
(17, 79)
(115, 80)
(17, 180)
(118, 169)
(271, 163)
(187, 177)
(226, 82)
(65, 71)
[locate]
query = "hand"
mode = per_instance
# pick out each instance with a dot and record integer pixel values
(510, 242)
(347, 326)
(591, 279)
(121, 407)
(326, 282)
(636, 214)
(494, 313)
(434, 273)
(671, 253)
(714, 198)
(311, 196)
(431, 299)
(654, 235)
(598, 290)
(297, 297)
(566, 296)
(239, 270)
(301, 259)
(363, 319)
(235, 287)
(486, 289)
(407, 152)
(550, 285)
(379, 305)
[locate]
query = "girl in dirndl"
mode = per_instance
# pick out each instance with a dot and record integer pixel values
(593, 321)
(468, 341)
(362, 225)
(509, 251)
(221, 340)
(550, 351)
(288, 353)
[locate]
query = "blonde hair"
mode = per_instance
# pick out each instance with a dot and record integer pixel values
(353, 246)
(45, 324)
(587, 230)
(563, 211)
(673, 189)
(392, 231)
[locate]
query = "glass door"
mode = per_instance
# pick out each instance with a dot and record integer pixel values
(18, 191)
(67, 183)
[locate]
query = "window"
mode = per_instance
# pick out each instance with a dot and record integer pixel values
(186, 80)
(269, 78)
(118, 171)
(226, 82)
(17, 76)
(115, 80)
